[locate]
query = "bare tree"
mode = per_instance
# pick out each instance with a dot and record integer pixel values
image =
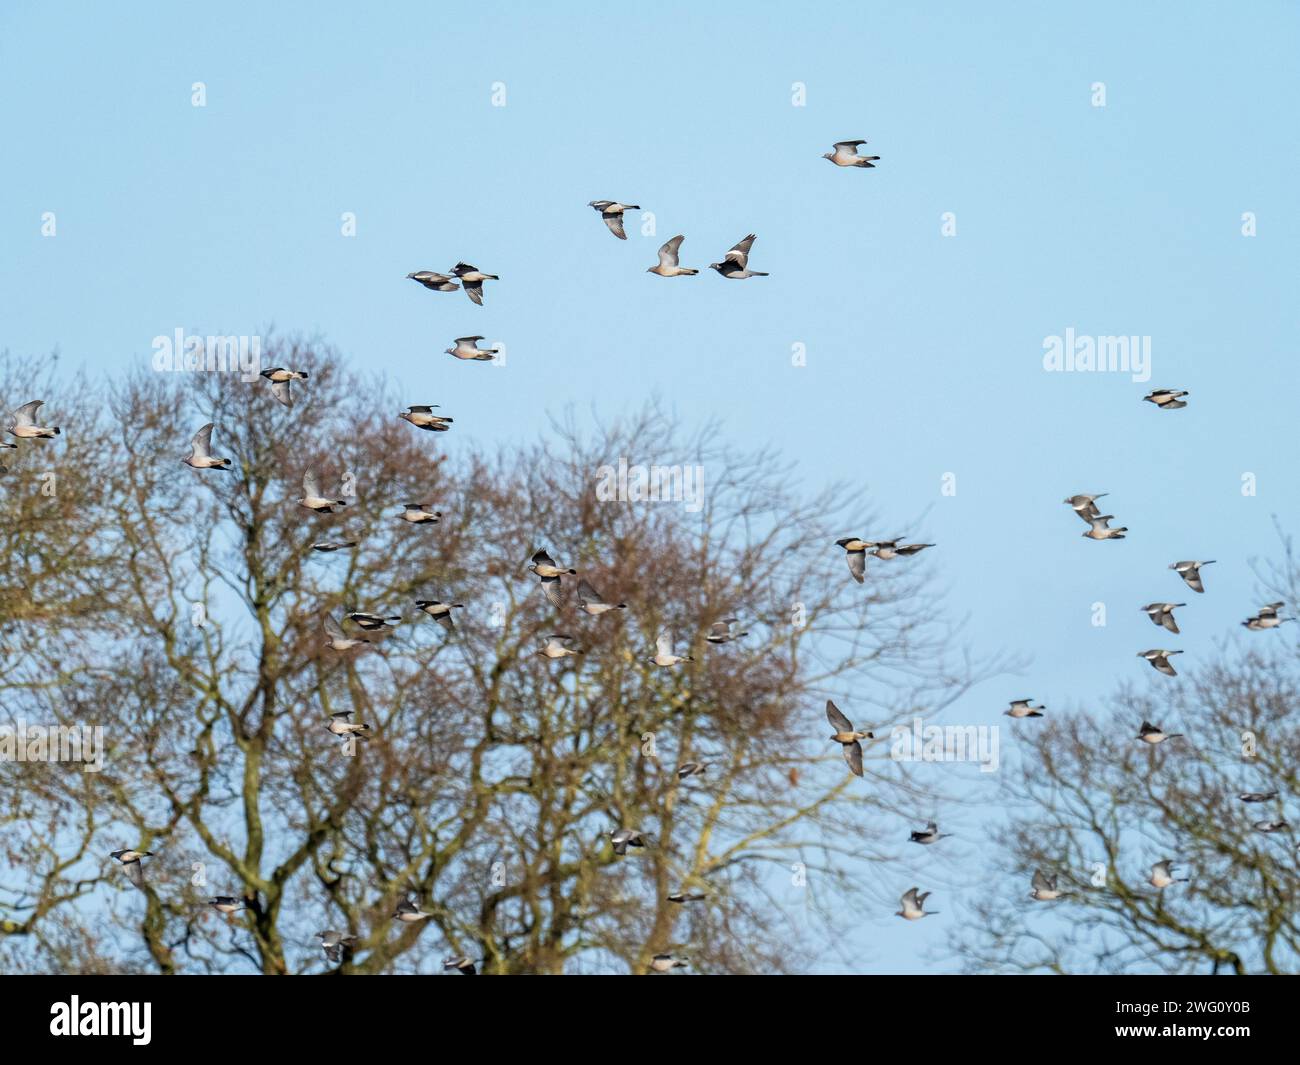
(183, 611)
(1097, 808)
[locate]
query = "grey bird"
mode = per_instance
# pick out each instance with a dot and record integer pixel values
(929, 834)
(22, 423)
(1085, 505)
(341, 724)
(669, 264)
(373, 622)
(590, 601)
(422, 417)
(1021, 708)
(664, 655)
(1191, 573)
(467, 349)
(471, 280)
(200, 457)
(408, 912)
(1270, 826)
(1267, 618)
(1159, 660)
(130, 860)
(434, 281)
(683, 897)
(280, 379)
(855, 553)
(1153, 734)
(336, 944)
(622, 838)
(1162, 875)
(720, 631)
(1163, 614)
(890, 549)
(420, 514)
(691, 769)
(328, 546)
(1166, 398)
(1044, 888)
(338, 639)
(551, 576)
(666, 963)
(845, 154)
(1257, 796)
(611, 213)
(913, 905)
(557, 646)
(226, 904)
(439, 611)
(313, 500)
(735, 264)
(1099, 528)
(461, 964)
(847, 737)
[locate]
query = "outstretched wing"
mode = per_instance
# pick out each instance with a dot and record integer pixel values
(837, 719)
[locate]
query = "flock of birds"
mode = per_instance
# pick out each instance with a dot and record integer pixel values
(556, 581)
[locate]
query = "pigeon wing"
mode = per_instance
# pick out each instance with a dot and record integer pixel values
(615, 223)
(668, 254)
(837, 719)
(201, 445)
(280, 389)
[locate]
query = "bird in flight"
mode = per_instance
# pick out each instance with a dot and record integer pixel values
(280, 379)
(1021, 708)
(201, 452)
(1166, 398)
(338, 639)
(1044, 888)
(435, 282)
(847, 737)
(845, 154)
(855, 553)
(1191, 573)
(913, 905)
(557, 646)
(1153, 734)
(313, 500)
(611, 213)
(735, 264)
(422, 417)
(1163, 614)
(664, 655)
(22, 423)
(341, 724)
(590, 600)
(439, 611)
(669, 264)
(130, 860)
(720, 631)
(551, 577)
(1099, 527)
(926, 836)
(1267, 618)
(467, 350)
(1162, 875)
(471, 280)
(1159, 660)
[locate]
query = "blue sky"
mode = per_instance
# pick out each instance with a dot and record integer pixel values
(924, 351)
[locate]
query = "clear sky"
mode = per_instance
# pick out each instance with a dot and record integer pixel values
(924, 352)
